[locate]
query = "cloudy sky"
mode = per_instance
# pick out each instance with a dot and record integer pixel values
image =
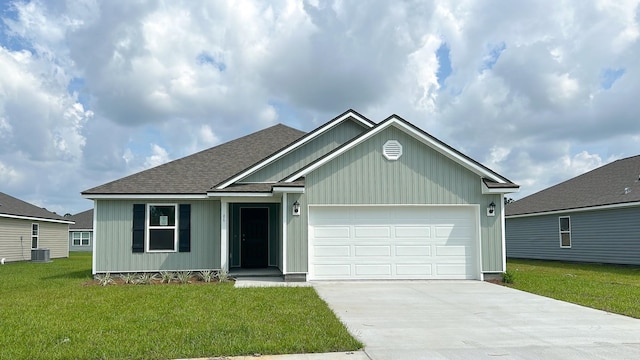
(91, 91)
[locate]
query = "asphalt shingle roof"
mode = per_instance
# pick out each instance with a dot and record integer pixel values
(13, 206)
(197, 173)
(603, 186)
(83, 220)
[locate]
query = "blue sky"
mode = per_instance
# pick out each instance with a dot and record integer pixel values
(91, 91)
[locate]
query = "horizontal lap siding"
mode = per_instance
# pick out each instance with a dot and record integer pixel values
(607, 236)
(112, 239)
(12, 247)
(421, 176)
(52, 236)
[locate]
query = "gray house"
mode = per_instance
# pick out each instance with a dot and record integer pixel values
(24, 227)
(352, 199)
(81, 233)
(594, 217)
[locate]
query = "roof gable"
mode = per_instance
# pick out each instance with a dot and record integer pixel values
(194, 174)
(347, 115)
(83, 220)
(599, 187)
(16, 208)
(505, 184)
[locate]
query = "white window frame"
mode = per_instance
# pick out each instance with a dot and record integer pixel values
(148, 227)
(560, 231)
(35, 236)
(81, 238)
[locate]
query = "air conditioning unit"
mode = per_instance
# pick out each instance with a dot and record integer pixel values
(40, 255)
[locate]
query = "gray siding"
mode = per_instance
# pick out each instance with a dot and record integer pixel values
(603, 236)
(15, 239)
(80, 248)
(112, 239)
(297, 233)
(421, 176)
(309, 152)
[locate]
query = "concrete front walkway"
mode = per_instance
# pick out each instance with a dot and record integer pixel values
(475, 320)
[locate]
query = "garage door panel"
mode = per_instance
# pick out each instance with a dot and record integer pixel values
(334, 232)
(451, 251)
(413, 269)
(368, 270)
(413, 250)
(329, 251)
(371, 231)
(371, 250)
(393, 242)
(413, 232)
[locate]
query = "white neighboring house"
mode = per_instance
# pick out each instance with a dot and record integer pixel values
(25, 227)
(81, 233)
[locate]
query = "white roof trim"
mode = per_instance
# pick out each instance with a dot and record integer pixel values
(487, 190)
(416, 134)
(238, 194)
(79, 230)
(288, 189)
(566, 211)
(295, 145)
(147, 196)
(33, 218)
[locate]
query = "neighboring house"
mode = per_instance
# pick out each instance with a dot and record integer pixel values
(81, 233)
(24, 227)
(594, 217)
(350, 200)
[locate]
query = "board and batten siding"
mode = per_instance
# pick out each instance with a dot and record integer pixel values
(307, 153)
(113, 239)
(421, 176)
(15, 239)
(601, 236)
(297, 244)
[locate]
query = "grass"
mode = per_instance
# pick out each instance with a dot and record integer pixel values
(612, 288)
(46, 312)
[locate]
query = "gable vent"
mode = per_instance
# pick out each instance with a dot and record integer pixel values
(392, 150)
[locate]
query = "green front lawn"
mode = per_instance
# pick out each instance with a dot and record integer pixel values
(48, 312)
(613, 288)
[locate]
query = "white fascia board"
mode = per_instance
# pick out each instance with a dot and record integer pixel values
(288, 189)
(567, 211)
(295, 145)
(487, 190)
(147, 196)
(418, 135)
(239, 194)
(32, 218)
(79, 230)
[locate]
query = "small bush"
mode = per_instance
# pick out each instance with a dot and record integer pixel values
(223, 275)
(128, 278)
(207, 275)
(167, 276)
(508, 277)
(145, 278)
(104, 279)
(184, 276)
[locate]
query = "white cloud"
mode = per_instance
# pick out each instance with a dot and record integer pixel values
(159, 156)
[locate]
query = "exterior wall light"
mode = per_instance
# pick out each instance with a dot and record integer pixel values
(491, 210)
(295, 210)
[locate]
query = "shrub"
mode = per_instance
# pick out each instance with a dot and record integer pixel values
(145, 278)
(184, 276)
(223, 275)
(167, 276)
(508, 277)
(128, 278)
(207, 275)
(104, 279)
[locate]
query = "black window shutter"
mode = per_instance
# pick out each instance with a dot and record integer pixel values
(138, 228)
(184, 228)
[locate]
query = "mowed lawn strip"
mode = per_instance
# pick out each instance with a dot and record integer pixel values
(47, 313)
(612, 288)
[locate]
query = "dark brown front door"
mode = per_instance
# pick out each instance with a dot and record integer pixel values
(254, 237)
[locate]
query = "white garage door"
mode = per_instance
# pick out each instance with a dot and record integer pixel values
(393, 242)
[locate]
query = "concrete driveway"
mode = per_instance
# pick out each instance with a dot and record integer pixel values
(475, 320)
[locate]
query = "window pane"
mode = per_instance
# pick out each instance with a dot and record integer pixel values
(76, 235)
(76, 242)
(34, 242)
(34, 229)
(162, 215)
(566, 239)
(564, 224)
(161, 239)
